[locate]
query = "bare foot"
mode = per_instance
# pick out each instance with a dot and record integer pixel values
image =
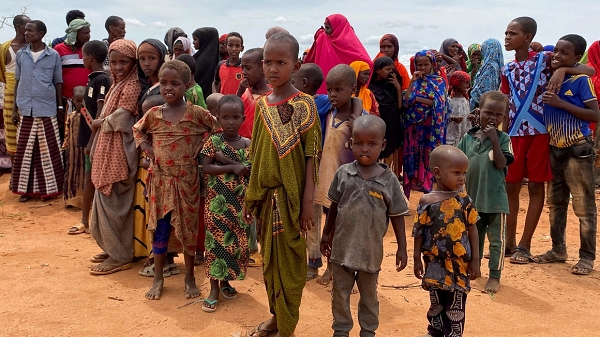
(191, 290)
(312, 273)
(156, 290)
(492, 285)
(326, 278)
(354, 289)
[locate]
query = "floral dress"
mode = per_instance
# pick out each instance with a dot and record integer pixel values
(226, 243)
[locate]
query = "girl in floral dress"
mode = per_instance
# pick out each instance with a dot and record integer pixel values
(227, 168)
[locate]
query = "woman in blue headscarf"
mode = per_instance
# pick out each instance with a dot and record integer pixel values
(488, 76)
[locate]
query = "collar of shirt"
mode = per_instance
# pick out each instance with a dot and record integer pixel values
(353, 170)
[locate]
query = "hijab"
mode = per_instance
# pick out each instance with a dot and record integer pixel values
(157, 48)
(489, 74)
(186, 43)
(391, 38)
(475, 47)
(74, 27)
(123, 94)
(207, 58)
(341, 47)
(363, 92)
(172, 35)
(444, 50)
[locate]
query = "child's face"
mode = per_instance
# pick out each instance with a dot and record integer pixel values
(463, 87)
(363, 77)
(234, 46)
(384, 72)
(231, 117)
(177, 49)
(514, 37)
(452, 175)
(387, 48)
(564, 55)
(252, 69)
(367, 144)
(492, 113)
(222, 46)
(78, 100)
(424, 64)
(453, 49)
(83, 35)
(279, 64)
(120, 65)
(338, 92)
(196, 43)
(172, 87)
(149, 63)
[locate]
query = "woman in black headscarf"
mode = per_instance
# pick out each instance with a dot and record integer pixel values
(206, 42)
(386, 86)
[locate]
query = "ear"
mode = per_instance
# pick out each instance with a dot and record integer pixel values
(188, 85)
(297, 66)
(241, 50)
(243, 118)
(351, 142)
(354, 88)
(383, 144)
(437, 172)
(529, 37)
(304, 82)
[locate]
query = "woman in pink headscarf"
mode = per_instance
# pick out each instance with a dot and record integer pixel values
(336, 43)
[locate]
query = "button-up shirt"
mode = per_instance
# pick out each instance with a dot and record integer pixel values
(36, 94)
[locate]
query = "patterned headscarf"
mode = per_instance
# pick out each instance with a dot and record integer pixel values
(74, 27)
(431, 56)
(124, 93)
(457, 78)
(475, 47)
(488, 76)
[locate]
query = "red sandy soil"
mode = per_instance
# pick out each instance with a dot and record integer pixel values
(48, 291)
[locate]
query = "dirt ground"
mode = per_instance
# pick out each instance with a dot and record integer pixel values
(47, 290)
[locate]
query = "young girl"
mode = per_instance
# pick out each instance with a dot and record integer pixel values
(488, 76)
(385, 84)
(363, 72)
(170, 135)
(226, 256)
(458, 122)
(114, 163)
(425, 122)
(389, 46)
(446, 235)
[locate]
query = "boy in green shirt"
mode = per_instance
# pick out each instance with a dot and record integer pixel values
(489, 152)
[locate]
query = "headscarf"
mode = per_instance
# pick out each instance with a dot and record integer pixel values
(489, 74)
(592, 59)
(363, 92)
(74, 27)
(391, 38)
(207, 57)
(111, 161)
(432, 87)
(186, 43)
(536, 47)
(457, 78)
(155, 47)
(224, 55)
(222, 38)
(444, 50)
(172, 35)
(387, 97)
(473, 48)
(341, 47)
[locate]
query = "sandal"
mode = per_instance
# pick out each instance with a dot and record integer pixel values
(198, 260)
(520, 256)
(98, 258)
(211, 303)
(173, 269)
(583, 267)
(259, 331)
(116, 268)
(78, 229)
(255, 260)
(550, 257)
(149, 271)
(232, 293)
(24, 198)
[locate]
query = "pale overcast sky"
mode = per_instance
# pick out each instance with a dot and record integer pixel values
(417, 24)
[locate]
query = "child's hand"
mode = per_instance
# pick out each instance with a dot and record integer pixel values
(351, 121)
(556, 80)
(149, 151)
(325, 245)
(401, 259)
(247, 216)
(418, 74)
(552, 99)
(146, 163)
(220, 157)
(418, 267)
(394, 80)
(474, 271)
(307, 215)
(241, 170)
(490, 132)
(457, 119)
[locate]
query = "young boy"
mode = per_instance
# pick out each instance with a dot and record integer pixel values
(568, 115)
(229, 72)
(253, 86)
(94, 54)
(524, 81)
(355, 248)
(489, 152)
(446, 235)
(194, 93)
(286, 143)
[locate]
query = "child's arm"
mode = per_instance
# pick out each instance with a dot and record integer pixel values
(327, 236)
(216, 86)
(559, 75)
(408, 92)
(474, 271)
(306, 209)
(394, 81)
(400, 232)
(209, 167)
(418, 263)
(590, 113)
(499, 159)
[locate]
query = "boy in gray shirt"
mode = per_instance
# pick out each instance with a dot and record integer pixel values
(364, 196)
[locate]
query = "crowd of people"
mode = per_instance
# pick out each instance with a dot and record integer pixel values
(231, 158)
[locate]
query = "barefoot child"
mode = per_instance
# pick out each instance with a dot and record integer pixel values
(446, 234)
(525, 80)
(568, 115)
(170, 135)
(229, 72)
(355, 247)
(286, 142)
(458, 122)
(226, 257)
(341, 84)
(489, 152)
